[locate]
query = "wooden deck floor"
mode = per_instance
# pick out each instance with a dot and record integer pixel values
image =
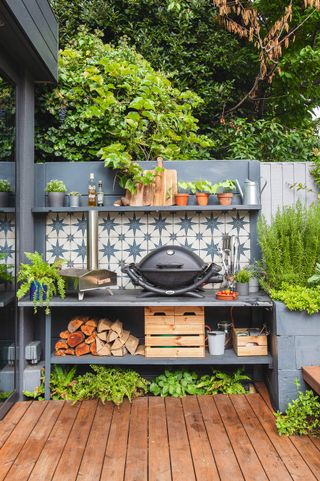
(203, 438)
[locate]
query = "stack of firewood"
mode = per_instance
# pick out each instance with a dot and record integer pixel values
(100, 338)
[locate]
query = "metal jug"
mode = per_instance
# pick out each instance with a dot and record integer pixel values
(251, 194)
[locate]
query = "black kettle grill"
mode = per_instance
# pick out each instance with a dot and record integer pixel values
(172, 271)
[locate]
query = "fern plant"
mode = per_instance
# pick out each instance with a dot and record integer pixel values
(46, 276)
(62, 385)
(5, 276)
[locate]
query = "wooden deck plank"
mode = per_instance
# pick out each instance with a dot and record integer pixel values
(219, 441)
(263, 391)
(51, 453)
(68, 466)
(269, 457)
(316, 442)
(11, 420)
(294, 462)
(115, 457)
(309, 452)
(31, 451)
(244, 451)
(91, 465)
(203, 460)
(180, 455)
(159, 457)
(13, 445)
(137, 451)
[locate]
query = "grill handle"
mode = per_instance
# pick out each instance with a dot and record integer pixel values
(169, 266)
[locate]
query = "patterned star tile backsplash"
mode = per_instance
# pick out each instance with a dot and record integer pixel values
(127, 237)
(7, 240)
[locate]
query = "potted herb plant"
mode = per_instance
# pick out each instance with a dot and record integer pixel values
(74, 199)
(41, 280)
(56, 193)
(182, 198)
(5, 188)
(225, 197)
(242, 278)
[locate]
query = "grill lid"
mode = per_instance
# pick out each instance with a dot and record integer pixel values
(172, 258)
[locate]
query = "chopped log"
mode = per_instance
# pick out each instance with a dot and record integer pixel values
(74, 324)
(112, 336)
(105, 351)
(82, 349)
(99, 345)
(75, 338)
(91, 338)
(104, 325)
(103, 336)
(64, 334)
(93, 348)
(132, 344)
(61, 345)
(140, 351)
(119, 352)
(60, 352)
(116, 345)
(117, 327)
(87, 330)
(124, 336)
(69, 351)
(92, 322)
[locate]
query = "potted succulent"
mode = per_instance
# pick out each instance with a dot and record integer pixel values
(74, 199)
(5, 188)
(182, 198)
(242, 278)
(225, 197)
(41, 280)
(56, 193)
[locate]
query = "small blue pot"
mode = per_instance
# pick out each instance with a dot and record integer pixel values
(35, 290)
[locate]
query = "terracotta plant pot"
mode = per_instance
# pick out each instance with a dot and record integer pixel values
(182, 199)
(202, 198)
(225, 198)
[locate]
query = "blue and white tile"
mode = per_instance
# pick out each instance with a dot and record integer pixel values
(57, 248)
(211, 224)
(110, 225)
(133, 250)
(238, 223)
(244, 249)
(163, 240)
(7, 249)
(134, 224)
(185, 224)
(58, 225)
(126, 282)
(190, 242)
(7, 226)
(78, 251)
(79, 225)
(160, 224)
(110, 251)
(209, 249)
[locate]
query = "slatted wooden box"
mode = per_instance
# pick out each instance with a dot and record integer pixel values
(249, 345)
(174, 331)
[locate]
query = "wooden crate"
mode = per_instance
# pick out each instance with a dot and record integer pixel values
(249, 345)
(174, 332)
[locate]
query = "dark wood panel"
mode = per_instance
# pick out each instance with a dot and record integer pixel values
(311, 375)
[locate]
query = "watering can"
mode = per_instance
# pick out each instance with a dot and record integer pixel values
(251, 194)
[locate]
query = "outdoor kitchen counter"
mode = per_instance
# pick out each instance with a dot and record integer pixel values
(131, 296)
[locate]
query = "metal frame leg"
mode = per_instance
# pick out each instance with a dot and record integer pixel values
(47, 358)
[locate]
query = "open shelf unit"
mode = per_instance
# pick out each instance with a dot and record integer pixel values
(6, 297)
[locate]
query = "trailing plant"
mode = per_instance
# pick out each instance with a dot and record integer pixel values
(243, 276)
(5, 185)
(302, 416)
(110, 384)
(175, 383)
(290, 246)
(56, 186)
(298, 298)
(62, 384)
(46, 275)
(223, 383)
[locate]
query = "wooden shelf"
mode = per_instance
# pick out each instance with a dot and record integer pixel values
(7, 210)
(228, 358)
(131, 297)
(171, 208)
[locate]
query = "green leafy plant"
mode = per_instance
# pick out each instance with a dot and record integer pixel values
(5, 186)
(314, 280)
(302, 416)
(223, 383)
(46, 275)
(62, 385)
(5, 275)
(110, 384)
(175, 383)
(243, 276)
(205, 186)
(56, 186)
(74, 194)
(298, 298)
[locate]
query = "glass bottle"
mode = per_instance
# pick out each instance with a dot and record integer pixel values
(92, 192)
(100, 194)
